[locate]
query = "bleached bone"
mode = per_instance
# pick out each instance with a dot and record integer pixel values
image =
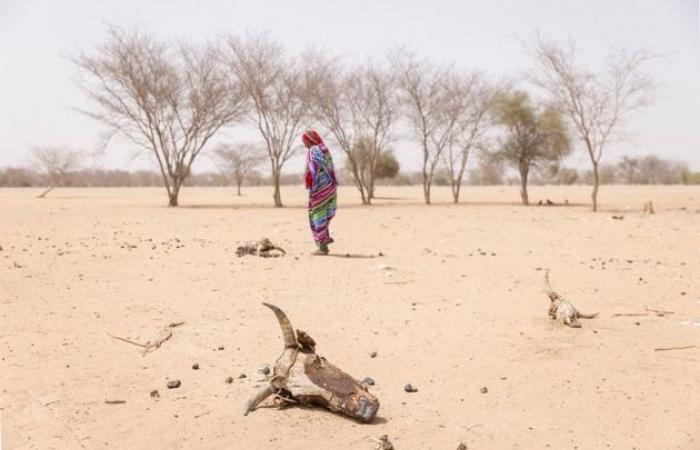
(304, 377)
(562, 309)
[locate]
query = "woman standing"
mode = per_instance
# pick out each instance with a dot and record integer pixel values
(321, 184)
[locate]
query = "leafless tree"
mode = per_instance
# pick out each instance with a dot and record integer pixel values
(598, 103)
(470, 132)
(168, 98)
(56, 162)
(359, 107)
(275, 83)
(431, 105)
(239, 160)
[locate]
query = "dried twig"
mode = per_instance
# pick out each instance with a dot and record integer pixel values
(674, 348)
(658, 312)
(115, 402)
(629, 314)
(151, 345)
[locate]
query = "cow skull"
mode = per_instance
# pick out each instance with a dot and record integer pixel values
(302, 376)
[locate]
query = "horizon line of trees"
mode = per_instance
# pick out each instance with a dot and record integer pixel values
(171, 98)
(643, 170)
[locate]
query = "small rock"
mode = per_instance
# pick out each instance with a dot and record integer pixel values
(372, 354)
(462, 446)
(484, 390)
(368, 381)
(155, 393)
(242, 376)
(220, 347)
(229, 380)
(173, 384)
(410, 388)
(195, 366)
(380, 254)
(264, 370)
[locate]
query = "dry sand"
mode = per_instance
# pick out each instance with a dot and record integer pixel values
(464, 309)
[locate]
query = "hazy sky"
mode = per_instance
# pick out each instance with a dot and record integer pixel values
(38, 94)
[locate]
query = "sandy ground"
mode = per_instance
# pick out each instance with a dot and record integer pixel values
(463, 308)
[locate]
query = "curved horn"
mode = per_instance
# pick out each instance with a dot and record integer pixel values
(258, 398)
(290, 339)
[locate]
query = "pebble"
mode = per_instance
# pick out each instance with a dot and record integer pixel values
(195, 366)
(229, 380)
(484, 390)
(409, 388)
(155, 393)
(368, 381)
(174, 384)
(242, 376)
(373, 354)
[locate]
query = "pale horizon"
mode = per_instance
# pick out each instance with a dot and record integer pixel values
(39, 97)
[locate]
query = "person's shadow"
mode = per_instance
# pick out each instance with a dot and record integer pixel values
(353, 255)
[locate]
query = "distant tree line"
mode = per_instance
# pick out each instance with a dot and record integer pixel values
(629, 170)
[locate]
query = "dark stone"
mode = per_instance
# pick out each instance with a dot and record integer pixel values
(368, 381)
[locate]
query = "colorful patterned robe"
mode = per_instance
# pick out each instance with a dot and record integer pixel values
(321, 184)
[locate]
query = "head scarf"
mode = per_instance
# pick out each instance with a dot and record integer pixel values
(311, 138)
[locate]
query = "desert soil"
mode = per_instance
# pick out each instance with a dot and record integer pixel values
(455, 305)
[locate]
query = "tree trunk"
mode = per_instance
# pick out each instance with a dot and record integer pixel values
(524, 170)
(173, 199)
(278, 194)
(596, 183)
(456, 184)
(357, 179)
(365, 200)
(427, 182)
(43, 194)
(238, 185)
(174, 194)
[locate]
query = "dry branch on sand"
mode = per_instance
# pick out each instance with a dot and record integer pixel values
(301, 376)
(665, 349)
(166, 333)
(562, 309)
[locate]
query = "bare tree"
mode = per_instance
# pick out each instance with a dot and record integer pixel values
(597, 103)
(56, 162)
(167, 98)
(239, 160)
(359, 108)
(275, 83)
(432, 107)
(470, 132)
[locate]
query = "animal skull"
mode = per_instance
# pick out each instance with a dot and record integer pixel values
(309, 379)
